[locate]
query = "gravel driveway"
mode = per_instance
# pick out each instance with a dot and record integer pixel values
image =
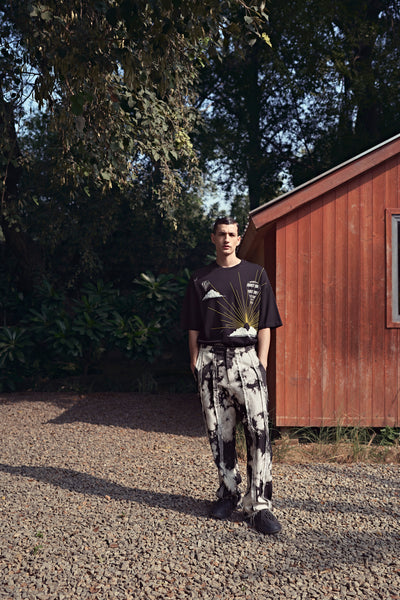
(106, 497)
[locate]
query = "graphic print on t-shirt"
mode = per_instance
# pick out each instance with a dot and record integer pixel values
(229, 305)
(210, 292)
(253, 288)
(242, 314)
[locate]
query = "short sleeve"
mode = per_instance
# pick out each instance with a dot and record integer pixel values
(269, 313)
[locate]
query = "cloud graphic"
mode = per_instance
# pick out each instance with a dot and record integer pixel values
(242, 332)
(212, 294)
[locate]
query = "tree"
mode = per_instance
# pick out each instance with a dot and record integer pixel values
(361, 55)
(25, 250)
(116, 81)
(118, 77)
(326, 90)
(111, 234)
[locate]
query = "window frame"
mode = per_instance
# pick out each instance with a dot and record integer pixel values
(392, 267)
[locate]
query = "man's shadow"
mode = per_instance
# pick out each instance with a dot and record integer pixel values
(83, 483)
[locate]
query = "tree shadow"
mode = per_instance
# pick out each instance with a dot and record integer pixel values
(377, 475)
(345, 478)
(336, 507)
(83, 483)
(178, 414)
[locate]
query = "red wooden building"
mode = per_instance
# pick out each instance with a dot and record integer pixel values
(331, 250)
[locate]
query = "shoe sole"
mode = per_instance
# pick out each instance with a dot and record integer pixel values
(275, 532)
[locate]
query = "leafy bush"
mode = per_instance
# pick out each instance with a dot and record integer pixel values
(158, 300)
(136, 338)
(389, 436)
(49, 326)
(56, 335)
(15, 348)
(93, 321)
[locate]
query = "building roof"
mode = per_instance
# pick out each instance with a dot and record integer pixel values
(272, 210)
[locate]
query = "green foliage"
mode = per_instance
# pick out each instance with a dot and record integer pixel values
(335, 435)
(158, 295)
(158, 300)
(59, 335)
(12, 303)
(15, 350)
(114, 85)
(138, 338)
(50, 328)
(326, 90)
(118, 78)
(109, 235)
(12, 344)
(389, 436)
(93, 321)
(358, 438)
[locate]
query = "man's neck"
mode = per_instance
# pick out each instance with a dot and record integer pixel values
(228, 261)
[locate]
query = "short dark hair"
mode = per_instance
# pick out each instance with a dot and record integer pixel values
(225, 221)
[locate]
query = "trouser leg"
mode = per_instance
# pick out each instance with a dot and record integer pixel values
(254, 406)
(232, 383)
(220, 418)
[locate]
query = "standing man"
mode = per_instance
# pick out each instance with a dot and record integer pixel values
(229, 310)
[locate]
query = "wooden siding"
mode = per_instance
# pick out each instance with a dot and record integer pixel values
(336, 361)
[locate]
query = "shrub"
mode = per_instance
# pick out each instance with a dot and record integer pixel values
(56, 335)
(15, 347)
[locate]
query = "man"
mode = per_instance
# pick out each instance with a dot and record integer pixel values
(229, 310)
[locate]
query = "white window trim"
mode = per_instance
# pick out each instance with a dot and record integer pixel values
(392, 267)
(395, 268)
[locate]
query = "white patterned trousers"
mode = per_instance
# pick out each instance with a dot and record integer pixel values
(232, 387)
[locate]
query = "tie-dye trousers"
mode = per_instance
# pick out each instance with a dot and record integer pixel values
(232, 387)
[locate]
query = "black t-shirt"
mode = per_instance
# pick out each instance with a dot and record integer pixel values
(229, 305)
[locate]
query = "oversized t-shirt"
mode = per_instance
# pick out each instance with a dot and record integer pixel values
(229, 305)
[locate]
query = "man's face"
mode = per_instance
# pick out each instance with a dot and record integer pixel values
(226, 239)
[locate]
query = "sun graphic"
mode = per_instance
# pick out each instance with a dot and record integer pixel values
(244, 311)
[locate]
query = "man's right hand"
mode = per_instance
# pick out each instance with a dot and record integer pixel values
(193, 366)
(193, 349)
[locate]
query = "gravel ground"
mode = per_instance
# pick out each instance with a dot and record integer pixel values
(106, 497)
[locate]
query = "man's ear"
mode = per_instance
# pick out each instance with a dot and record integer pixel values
(213, 238)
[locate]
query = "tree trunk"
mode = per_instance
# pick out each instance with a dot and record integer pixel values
(28, 254)
(253, 110)
(360, 26)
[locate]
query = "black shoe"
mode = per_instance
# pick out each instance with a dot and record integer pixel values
(265, 522)
(223, 508)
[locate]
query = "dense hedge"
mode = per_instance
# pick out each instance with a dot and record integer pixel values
(50, 335)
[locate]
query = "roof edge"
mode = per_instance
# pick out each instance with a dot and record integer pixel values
(350, 169)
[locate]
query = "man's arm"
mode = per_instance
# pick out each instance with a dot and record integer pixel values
(193, 348)
(264, 340)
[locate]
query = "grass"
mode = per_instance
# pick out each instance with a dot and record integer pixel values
(339, 444)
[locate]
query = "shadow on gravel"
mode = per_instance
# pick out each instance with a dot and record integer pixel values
(340, 508)
(83, 483)
(178, 414)
(376, 476)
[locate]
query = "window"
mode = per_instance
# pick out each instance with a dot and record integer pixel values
(393, 267)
